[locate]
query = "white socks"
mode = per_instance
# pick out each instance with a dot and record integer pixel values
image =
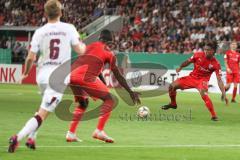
(33, 135)
(29, 127)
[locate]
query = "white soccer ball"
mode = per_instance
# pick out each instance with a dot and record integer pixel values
(143, 112)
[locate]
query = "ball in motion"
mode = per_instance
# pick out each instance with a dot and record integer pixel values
(143, 112)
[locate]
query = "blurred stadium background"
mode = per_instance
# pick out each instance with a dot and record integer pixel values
(161, 31)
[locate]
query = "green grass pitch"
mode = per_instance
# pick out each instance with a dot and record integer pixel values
(197, 138)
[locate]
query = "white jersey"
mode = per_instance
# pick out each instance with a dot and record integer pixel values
(53, 42)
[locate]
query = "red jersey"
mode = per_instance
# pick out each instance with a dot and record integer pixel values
(233, 60)
(91, 64)
(203, 67)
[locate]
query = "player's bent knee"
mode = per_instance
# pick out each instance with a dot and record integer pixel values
(109, 100)
(83, 103)
(108, 105)
(203, 93)
(227, 86)
(172, 87)
(43, 114)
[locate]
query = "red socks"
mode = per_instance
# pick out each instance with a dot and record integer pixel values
(234, 93)
(106, 109)
(102, 121)
(209, 105)
(78, 113)
(172, 95)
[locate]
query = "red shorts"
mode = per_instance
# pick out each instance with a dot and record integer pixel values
(82, 89)
(233, 78)
(189, 82)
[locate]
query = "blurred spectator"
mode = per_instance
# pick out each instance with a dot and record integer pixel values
(2, 17)
(16, 52)
(19, 53)
(149, 25)
(3, 42)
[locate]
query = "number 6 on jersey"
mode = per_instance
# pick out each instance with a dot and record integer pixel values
(54, 49)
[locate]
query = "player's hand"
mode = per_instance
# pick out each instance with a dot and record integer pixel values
(22, 77)
(135, 97)
(178, 69)
(229, 70)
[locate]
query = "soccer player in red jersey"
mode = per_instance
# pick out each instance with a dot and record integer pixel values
(204, 65)
(85, 82)
(232, 62)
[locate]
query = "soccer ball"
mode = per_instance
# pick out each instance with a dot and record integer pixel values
(143, 112)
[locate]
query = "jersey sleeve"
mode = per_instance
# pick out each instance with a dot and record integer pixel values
(193, 58)
(35, 43)
(74, 36)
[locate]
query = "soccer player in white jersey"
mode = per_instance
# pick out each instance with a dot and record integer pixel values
(53, 41)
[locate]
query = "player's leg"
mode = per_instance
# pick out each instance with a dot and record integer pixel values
(229, 81)
(32, 124)
(77, 116)
(105, 112)
(31, 141)
(172, 91)
(181, 83)
(227, 86)
(81, 98)
(234, 93)
(208, 103)
(99, 90)
(235, 82)
(49, 102)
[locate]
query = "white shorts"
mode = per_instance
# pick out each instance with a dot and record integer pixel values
(50, 98)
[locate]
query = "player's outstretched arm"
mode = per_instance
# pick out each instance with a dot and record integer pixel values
(28, 63)
(122, 81)
(184, 64)
(80, 48)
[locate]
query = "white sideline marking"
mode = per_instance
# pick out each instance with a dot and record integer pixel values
(11, 94)
(145, 146)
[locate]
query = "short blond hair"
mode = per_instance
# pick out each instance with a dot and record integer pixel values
(53, 9)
